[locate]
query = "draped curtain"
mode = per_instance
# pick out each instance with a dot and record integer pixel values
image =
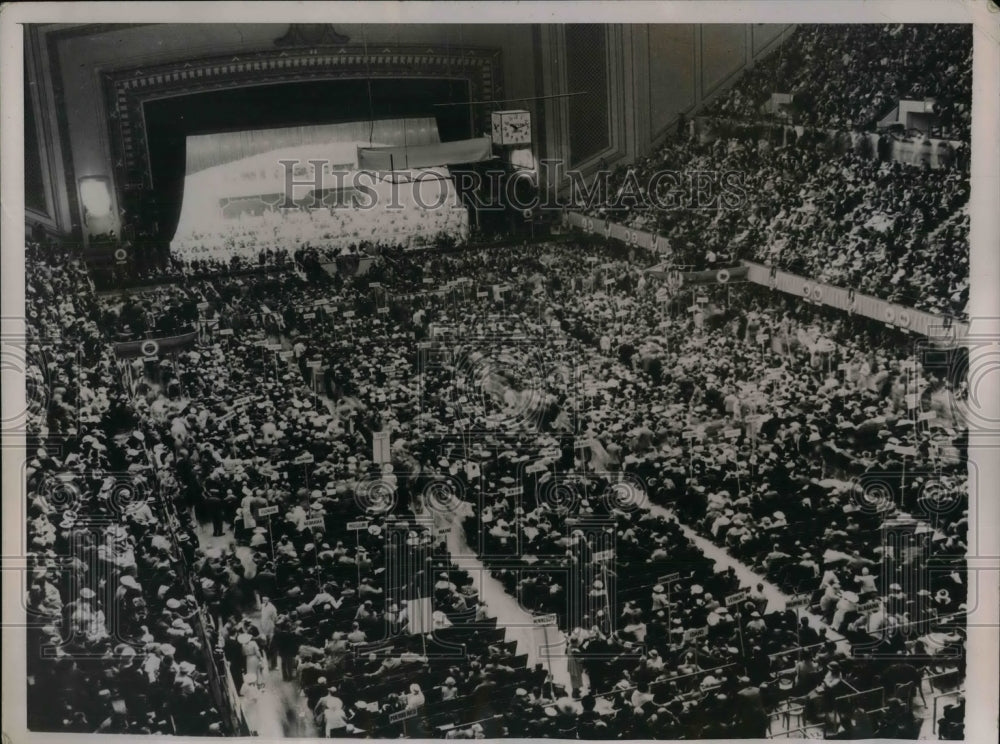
(209, 150)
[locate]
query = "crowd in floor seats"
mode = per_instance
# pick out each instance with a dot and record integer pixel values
(591, 398)
(318, 585)
(779, 516)
(850, 76)
(168, 312)
(343, 591)
(114, 640)
(650, 348)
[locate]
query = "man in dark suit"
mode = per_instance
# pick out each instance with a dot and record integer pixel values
(750, 714)
(233, 651)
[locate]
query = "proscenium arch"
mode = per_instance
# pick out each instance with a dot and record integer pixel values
(127, 91)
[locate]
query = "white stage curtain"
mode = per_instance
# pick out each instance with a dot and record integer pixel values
(210, 150)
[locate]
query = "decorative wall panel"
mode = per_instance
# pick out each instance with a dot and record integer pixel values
(723, 53)
(587, 70)
(764, 34)
(34, 167)
(672, 72)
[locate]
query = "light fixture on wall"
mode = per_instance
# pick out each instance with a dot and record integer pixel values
(95, 196)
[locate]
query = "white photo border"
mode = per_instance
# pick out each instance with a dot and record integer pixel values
(983, 649)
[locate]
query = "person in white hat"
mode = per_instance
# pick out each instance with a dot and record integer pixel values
(184, 684)
(756, 626)
(415, 697)
(660, 598)
(329, 712)
(809, 564)
(867, 588)
(89, 622)
(449, 690)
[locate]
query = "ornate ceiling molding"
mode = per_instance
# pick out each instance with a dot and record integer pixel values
(311, 35)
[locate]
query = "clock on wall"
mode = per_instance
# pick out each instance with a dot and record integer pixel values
(511, 128)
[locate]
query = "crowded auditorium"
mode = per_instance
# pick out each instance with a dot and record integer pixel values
(575, 381)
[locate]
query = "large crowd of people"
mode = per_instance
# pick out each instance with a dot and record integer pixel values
(328, 230)
(899, 232)
(329, 582)
(561, 357)
(115, 639)
(832, 209)
(720, 505)
(850, 76)
(760, 491)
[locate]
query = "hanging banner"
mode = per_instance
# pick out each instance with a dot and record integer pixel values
(726, 275)
(849, 300)
(919, 150)
(425, 156)
(130, 349)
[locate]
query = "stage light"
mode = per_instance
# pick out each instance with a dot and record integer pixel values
(95, 196)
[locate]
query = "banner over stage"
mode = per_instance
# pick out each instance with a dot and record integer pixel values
(424, 156)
